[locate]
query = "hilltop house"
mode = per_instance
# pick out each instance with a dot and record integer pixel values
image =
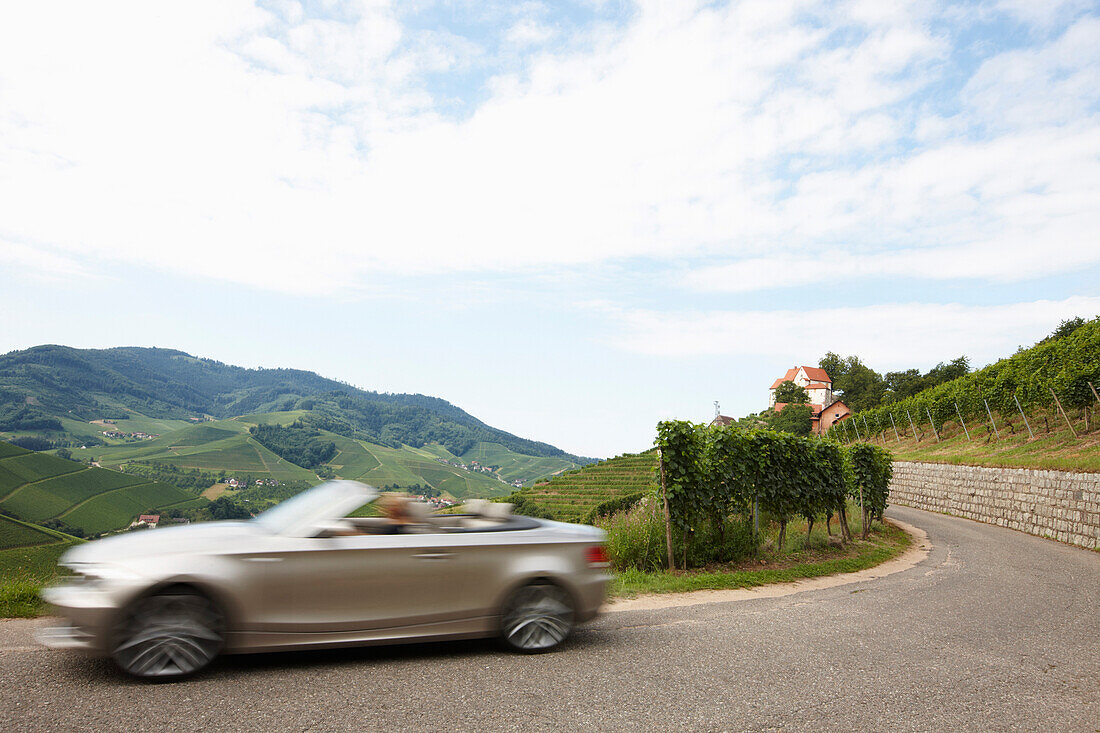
(816, 382)
(824, 410)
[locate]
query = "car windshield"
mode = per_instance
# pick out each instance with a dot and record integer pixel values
(327, 501)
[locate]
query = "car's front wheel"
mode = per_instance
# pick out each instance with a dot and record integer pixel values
(537, 617)
(170, 634)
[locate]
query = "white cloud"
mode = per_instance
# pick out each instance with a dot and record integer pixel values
(1043, 13)
(304, 154)
(39, 263)
(887, 335)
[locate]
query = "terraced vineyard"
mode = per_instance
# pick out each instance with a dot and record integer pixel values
(227, 445)
(514, 466)
(571, 496)
(406, 466)
(36, 487)
(218, 446)
(14, 533)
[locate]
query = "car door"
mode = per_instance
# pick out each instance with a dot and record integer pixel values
(362, 582)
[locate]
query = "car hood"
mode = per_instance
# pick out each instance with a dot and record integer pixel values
(204, 537)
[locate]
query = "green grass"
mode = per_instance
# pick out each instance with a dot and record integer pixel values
(885, 543)
(23, 572)
(1053, 446)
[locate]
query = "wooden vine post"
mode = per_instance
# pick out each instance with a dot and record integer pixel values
(1094, 394)
(1064, 415)
(933, 422)
(668, 519)
(991, 420)
(961, 422)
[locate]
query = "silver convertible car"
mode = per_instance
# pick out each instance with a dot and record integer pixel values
(304, 574)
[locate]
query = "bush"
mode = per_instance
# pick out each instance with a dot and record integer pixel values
(636, 539)
(730, 541)
(869, 474)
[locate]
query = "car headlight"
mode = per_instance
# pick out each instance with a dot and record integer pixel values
(100, 572)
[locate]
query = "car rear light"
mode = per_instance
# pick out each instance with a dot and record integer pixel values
(596, 557)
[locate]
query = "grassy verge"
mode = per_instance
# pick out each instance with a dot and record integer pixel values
(23, 572)
(799, 559)
(1053, 447)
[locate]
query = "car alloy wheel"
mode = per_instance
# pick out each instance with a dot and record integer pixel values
(173, 633)
(537, 617)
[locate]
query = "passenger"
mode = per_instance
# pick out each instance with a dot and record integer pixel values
(396, 510)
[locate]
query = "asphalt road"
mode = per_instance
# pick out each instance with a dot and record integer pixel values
(995, 630)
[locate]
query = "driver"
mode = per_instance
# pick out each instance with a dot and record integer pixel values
(396, 510)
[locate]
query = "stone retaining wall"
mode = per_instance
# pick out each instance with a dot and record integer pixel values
(1057, 504)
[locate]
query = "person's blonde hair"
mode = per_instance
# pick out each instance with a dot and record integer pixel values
(395, 507)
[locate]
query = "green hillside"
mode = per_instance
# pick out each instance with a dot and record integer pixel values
(73, 397)
(37, 487)
(227, 447)
(514, 466)
(979, 418)
(14, 533)
(381, 466)
(571, 496)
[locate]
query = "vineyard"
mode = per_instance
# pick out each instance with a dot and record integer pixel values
(20, 534)
(572, 496)
(38, 487)
(1036, 408)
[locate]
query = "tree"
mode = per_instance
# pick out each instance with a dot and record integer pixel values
(900, 385)
(1065, 328)
(791, 393)
(861, 387)
(224, 508)
(794, 419)
(946, 372)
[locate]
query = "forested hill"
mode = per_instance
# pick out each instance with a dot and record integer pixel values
(41, 385)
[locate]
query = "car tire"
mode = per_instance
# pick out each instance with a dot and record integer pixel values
(536, 618)
(168, 635)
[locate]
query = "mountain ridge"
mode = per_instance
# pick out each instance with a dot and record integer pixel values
(57, 382)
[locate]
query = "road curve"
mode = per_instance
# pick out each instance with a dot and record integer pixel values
(995, 631)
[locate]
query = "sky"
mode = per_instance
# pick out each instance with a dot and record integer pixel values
(571, 219)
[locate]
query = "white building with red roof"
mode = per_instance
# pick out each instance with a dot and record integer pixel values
(816, 382)
(824, 410)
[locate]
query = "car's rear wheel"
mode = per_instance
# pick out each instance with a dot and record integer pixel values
(170, 634)
(537, 617)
